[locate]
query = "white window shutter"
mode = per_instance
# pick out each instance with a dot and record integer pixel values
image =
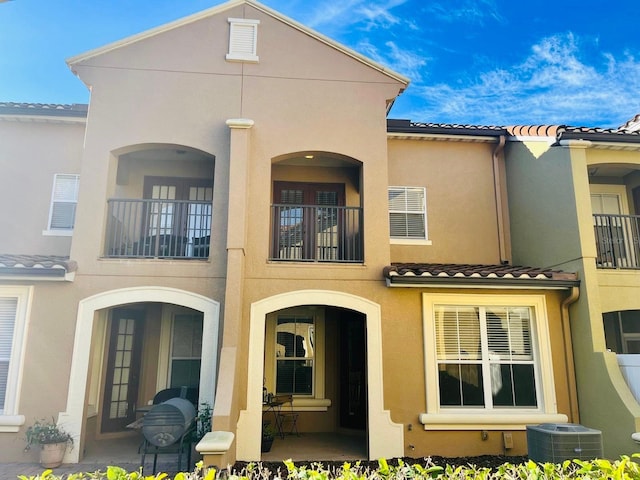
(243, 40)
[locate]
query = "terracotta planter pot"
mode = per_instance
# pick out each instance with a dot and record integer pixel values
(51, 454)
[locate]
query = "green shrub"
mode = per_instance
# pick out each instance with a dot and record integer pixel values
(623, 469)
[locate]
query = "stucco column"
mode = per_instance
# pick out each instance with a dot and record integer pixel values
(225, 412)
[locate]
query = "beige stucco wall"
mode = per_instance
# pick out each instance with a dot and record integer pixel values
(461, 199)
(162, 91)
(30, 154)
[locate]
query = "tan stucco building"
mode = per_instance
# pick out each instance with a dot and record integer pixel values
(234, 212)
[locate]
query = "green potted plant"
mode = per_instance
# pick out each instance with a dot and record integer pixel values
(268, 434)
(52, 439)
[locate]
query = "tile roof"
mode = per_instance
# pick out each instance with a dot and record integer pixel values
(421, 273)
(41, 266)
(44, 109)
(407, 126)
(629, 132)
(631, 125)
(534, 130)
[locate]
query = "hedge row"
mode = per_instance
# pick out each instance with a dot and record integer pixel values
(624, 469)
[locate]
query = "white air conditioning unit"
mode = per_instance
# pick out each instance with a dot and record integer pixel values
(557, 442)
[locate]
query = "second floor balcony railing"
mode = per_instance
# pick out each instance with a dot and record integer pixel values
(157, 229)
(310, 233)
(617, 239)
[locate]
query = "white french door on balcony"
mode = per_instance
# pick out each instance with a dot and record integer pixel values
(180, 221)
(307, 230)
(615, 231)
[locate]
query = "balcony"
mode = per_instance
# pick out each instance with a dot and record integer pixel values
(617, 241)
(175, 229)
(306, 233)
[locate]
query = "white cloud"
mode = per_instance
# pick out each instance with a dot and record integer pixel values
(466, 11)
(345, 13)
(555, 84)
(402, 61)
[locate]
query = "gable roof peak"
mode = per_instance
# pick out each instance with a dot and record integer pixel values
(72, 61)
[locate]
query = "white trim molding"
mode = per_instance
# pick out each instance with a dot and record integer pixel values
(439, 418)
(10, 420)
(385, 438)
(73, 417)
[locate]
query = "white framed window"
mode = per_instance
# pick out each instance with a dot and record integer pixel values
(487, 361)
(485, 357)
(64, 199)
(294, 356)
(14, 311)
(243, 40)
(186, 350)
(408, 214)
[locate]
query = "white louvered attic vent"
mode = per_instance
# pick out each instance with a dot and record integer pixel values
(243, 40)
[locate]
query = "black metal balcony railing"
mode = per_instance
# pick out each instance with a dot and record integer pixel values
(158, 229)
(316, 233)
(617, 240)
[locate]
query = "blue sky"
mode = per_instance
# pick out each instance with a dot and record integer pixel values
(482, 62)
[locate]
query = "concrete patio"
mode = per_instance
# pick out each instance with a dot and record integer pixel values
(123, 453)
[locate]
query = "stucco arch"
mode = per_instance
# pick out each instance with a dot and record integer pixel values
(385, 438)
(73, 417)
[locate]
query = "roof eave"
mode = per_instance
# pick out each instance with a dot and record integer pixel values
(599, 137)
(480, 282)
(36, 274)
(399, 126)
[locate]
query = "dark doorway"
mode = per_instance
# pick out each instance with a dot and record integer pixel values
(352, 370)
(123, 369)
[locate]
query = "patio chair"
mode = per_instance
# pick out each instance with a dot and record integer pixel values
(286, 417)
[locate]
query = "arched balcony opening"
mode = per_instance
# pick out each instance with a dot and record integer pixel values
(316, 208)
(162, 204)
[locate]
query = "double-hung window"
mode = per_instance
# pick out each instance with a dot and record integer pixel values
(14, 305)
(186, 350)
(488, 361)
(485, 357)
(64, 199)
(295, 355)
(408, 213)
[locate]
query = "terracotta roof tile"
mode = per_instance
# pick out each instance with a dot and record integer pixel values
(443, 271)
(407, 126)
(631, 125)
(44, 265)
(44, 109)
(534, 130)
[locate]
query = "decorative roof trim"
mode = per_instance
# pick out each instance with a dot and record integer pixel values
(72, 61)
(476, 276)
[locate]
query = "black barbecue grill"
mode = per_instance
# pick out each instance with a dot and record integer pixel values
(167, 428)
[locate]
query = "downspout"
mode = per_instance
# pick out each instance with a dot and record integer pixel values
(568, 354)
(497, 185)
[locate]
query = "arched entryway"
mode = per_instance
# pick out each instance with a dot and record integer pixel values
(384, 438)
(90, 311)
